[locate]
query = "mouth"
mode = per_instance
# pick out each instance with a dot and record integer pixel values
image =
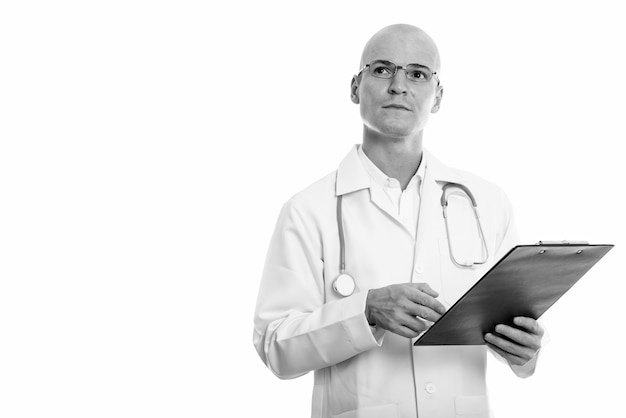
(397, 106)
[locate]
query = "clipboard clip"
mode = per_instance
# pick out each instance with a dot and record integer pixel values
(562, 243)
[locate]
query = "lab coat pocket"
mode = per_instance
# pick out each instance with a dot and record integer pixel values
(455, 280)
(379, 411)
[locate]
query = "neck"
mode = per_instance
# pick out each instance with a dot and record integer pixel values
(398, 158)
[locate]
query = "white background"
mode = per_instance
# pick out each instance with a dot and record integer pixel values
(146, 148)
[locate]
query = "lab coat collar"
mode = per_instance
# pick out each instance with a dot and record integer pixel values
(440, 172)
(352, 176)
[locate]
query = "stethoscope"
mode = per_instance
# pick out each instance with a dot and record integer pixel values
(444, 205)
(344, 284)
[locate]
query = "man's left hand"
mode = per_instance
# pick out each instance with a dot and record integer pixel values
(521, 344)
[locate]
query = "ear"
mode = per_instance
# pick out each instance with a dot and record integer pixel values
(438, 98)
(354, 90)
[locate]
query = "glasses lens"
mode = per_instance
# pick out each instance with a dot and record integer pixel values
(382, 69)
(418, 73)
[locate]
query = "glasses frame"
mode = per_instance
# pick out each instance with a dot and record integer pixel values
(399, 67)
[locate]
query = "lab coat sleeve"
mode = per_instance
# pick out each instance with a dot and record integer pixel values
(294, 331)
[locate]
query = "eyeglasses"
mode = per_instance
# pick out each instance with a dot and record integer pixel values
(387, 69)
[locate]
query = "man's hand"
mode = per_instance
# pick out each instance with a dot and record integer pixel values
(403, 309)
(520, 345)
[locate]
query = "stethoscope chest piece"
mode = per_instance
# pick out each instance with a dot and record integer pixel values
(344, 285)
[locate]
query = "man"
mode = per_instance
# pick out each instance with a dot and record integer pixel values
(406, 271)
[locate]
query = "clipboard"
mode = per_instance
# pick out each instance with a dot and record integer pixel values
(525, 282)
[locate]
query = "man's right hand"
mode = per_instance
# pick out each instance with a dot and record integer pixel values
(405, 309)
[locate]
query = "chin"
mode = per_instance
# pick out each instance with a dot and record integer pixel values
(396, 130)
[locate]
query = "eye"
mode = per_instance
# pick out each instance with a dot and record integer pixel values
(416, 72)
(382, 70)
(418, 75)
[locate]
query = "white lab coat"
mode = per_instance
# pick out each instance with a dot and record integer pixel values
(301, 324)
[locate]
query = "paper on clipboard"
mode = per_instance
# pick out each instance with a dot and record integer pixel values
(525, 282)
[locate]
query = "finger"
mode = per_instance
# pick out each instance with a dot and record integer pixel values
(529, 324)
(512, 359)
(401, 323)
(510, 347)
(424, 299)
(413, 323)
(519, 336)
(402, 330)
(425, 287)
(530, 336)
(422, 311)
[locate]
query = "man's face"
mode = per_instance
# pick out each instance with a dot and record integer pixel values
(397, 107)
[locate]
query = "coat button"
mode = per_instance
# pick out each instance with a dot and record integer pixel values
(431, 388)
(419, 269)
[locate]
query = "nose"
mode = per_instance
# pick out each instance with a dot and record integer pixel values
(398, 84)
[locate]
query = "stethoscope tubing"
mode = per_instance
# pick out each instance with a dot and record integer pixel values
(483, 241)
(351, 284)
(342, 246)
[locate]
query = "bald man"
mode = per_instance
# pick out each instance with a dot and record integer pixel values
(360, 263)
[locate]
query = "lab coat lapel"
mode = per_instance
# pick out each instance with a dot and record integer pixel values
(352, 176)
(430, 226)
(380, 199)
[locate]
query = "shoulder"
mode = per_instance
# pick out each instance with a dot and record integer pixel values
(315, 200)
(492, 202)
(478, 185)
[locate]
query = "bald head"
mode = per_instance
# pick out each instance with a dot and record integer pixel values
(401, 37)
(397, 107)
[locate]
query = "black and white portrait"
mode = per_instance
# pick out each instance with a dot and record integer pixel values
(147, 150)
